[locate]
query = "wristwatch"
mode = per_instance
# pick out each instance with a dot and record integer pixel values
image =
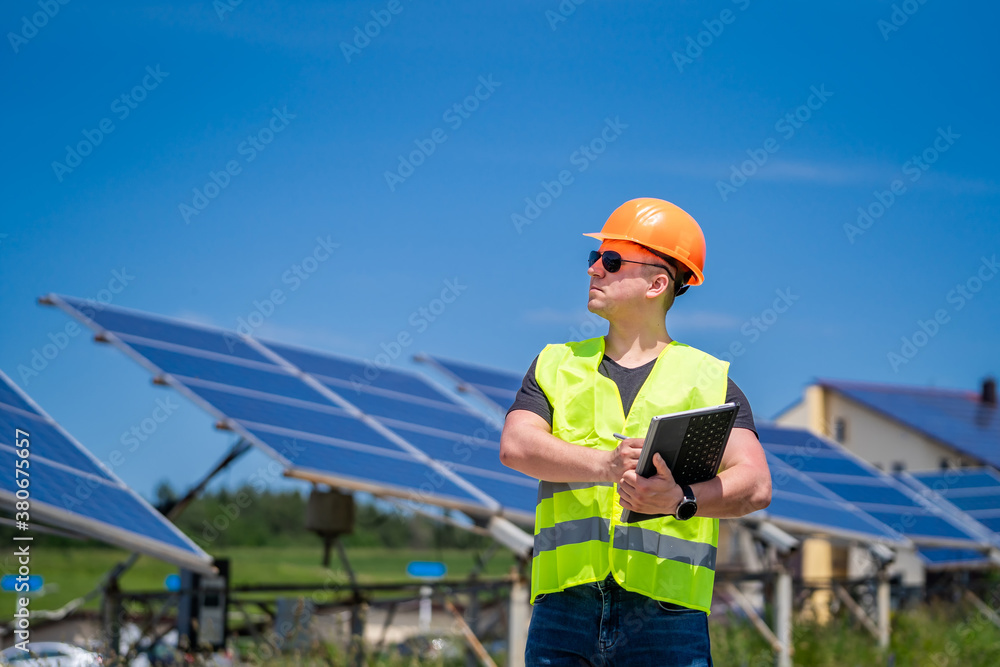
(688, 505)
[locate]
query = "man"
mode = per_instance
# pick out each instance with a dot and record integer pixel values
(606, 592)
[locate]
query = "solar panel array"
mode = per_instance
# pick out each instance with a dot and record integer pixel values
(327, 418)
(391, 432)
(69, 488)
(870, 490)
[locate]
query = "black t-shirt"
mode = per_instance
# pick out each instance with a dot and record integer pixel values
(629, 380)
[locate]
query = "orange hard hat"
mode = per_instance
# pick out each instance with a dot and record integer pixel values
(662, 226)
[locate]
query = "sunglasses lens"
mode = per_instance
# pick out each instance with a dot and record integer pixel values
(612, 261)
(594, 256)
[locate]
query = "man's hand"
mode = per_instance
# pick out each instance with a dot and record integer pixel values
(658, 494)
(624, 458)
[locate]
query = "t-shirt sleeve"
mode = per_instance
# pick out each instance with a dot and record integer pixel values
(744, 416)
(531, 397)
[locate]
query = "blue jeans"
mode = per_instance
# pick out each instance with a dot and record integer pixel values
(601, 624)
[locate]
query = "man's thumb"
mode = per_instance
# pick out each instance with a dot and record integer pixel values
(660, 464)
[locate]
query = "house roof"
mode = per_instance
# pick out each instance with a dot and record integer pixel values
(956, 418)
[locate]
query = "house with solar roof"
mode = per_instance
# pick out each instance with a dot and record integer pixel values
(898, 428)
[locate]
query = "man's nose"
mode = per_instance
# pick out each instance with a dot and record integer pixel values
(595, 269)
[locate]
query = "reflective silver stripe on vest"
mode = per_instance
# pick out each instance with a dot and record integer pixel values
(669, 547)
(573, 532)
(549, 489)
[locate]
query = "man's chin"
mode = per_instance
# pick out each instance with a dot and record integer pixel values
(596, 308)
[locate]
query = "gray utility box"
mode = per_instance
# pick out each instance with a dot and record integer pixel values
(330, 513)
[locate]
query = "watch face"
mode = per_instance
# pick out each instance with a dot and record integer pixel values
(686, 510)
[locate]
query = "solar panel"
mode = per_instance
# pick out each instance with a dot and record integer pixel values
(378, 468)
(497, 386)
(974, 492)
(268, 380)
(800, 505)
(124, 322)
(952, 558)
(48, 442)
(10, 397)
(869, 489)
(352, 424)
(69, 488)
(427, 418)
(342, 373)
(956, 479)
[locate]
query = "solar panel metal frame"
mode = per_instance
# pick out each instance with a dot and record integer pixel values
(55, 516)
(489, 508)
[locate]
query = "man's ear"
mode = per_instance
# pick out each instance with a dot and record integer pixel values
(658, 287)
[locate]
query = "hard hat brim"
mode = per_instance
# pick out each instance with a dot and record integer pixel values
(697, 278)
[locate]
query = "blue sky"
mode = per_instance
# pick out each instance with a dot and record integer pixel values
(771, 123)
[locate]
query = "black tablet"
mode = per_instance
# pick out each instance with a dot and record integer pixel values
(691, 443)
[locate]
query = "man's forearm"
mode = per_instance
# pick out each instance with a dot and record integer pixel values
(543, 456)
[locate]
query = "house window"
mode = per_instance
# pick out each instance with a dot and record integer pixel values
(945, 463)
(840, 430)
(898, 466)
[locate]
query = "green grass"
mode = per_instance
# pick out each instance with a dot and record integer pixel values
(937, 635)
(72, 572)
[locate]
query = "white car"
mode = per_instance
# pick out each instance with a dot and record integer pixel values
(50, 654)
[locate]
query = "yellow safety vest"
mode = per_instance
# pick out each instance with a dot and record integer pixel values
(579, 536)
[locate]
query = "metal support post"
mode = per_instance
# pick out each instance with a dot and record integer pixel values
(517, 622)
(883, 599)
(783, 617)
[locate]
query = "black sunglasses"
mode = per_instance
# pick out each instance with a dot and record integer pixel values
(612, 262)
